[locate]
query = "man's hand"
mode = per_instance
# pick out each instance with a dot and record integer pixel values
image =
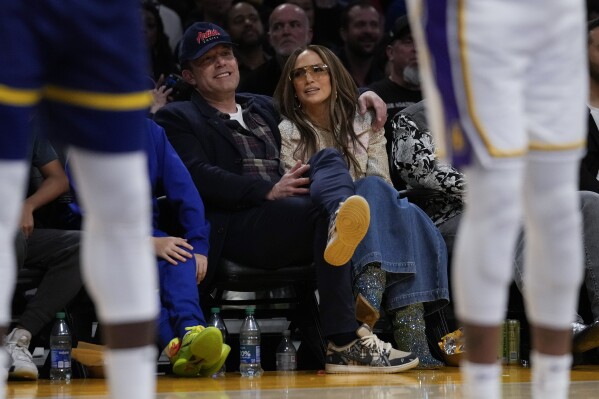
(201, 267)
(27, 222)
(369, 99)
(172, 249)
(160, 95)
(292, 183)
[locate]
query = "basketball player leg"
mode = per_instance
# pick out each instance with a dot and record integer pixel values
(14, 171)
(118, 265)
(12, 187)
(554, 270)
(483, 269)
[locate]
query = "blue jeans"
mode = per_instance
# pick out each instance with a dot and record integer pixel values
(406, 243)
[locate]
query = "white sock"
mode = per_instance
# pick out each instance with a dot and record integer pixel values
(550, 375)
(131, 372)
(481, 381)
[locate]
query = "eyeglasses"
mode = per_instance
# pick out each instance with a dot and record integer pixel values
(317, 71)
(208, 60)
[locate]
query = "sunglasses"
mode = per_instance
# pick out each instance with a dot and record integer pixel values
(316, 71)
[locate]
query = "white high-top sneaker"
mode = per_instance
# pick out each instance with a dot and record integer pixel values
(17, 346)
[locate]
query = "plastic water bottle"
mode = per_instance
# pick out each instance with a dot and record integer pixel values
(60, 350)
(216, 321)
(286, 354)
(249, 346)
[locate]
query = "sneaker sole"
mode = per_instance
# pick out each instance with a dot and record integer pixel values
(23, 374)
(347, 369)
(352, 224)
(185, 368)
(207, 345)
(208, 370)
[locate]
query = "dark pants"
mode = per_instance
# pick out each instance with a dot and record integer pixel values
(293, 231)
(56, 252)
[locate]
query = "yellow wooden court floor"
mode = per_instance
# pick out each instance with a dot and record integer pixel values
(417, 384)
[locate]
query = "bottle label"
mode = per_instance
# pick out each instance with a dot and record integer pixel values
(249, 354)
(60, 358)
(286, 362)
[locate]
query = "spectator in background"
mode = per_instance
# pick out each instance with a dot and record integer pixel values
(214, 11)
(53, 250)
(401, 88)
(246, 30)
(173, 27)
(289, 29)
(308, 7)
(361, 32)
(162, 60)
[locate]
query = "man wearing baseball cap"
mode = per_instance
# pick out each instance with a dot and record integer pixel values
(401, 88)
(259, 215)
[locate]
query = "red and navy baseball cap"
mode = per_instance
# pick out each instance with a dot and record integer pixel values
(201, 37)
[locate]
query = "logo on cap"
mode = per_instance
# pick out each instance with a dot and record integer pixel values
(206, 36)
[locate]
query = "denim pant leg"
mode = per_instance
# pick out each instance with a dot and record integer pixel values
(179, 300)
(407, 244)
(56, 251)
(389, 239)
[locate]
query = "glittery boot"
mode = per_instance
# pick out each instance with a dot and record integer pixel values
(368, 290)
(409, 334)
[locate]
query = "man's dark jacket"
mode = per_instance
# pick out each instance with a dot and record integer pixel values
(590, 163)
(207, 148)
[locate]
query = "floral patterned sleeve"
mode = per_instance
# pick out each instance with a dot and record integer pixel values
(413, 156)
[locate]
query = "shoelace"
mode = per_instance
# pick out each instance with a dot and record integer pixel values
(372, 341)
(332, 224)
(21, 353)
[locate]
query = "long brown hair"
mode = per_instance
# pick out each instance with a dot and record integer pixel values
(342, 107)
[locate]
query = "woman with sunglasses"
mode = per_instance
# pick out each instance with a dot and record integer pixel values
(402, 259)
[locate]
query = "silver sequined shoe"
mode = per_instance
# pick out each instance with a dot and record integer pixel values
(409, 331)
(347, 227)
(585, 337)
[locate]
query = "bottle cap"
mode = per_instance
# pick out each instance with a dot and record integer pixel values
(250, 310)
(60, 315)
(214, 310)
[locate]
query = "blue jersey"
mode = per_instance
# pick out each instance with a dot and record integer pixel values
(83, 63)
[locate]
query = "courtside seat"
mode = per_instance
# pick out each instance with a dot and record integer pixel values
(300, 306)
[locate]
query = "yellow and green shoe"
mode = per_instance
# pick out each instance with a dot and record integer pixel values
(201, 346)
(207, 369)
